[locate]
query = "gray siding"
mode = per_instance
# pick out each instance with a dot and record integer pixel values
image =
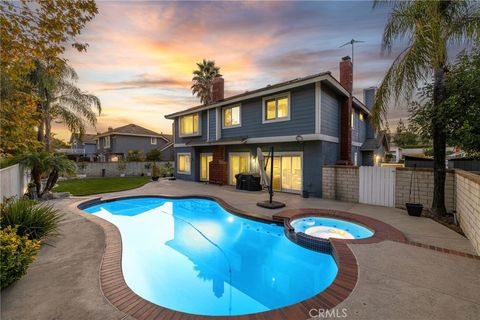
(302, 117)
(315, 155)
(213, 124)
(359, 127)
(123, 144)
(90, 149)
(330, 112)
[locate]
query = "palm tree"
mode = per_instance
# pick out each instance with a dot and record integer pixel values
(45, 163)
(60, 99)
(428, 27)
(203, 79)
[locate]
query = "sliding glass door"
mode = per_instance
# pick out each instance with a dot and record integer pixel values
(205, 159)
(238, 162)
(287, 173)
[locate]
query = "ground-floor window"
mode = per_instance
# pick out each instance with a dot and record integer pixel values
(205, 159)
(237, 163)
(287, 172)
(183, 163)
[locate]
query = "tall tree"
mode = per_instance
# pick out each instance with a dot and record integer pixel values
(30, 31)
(428, 27)
(60, 99)
(203, 79)
(460, 112)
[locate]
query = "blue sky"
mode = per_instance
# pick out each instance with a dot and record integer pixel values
(141, 54)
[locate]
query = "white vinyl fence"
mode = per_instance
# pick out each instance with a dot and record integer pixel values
(377, 186)
(14, 182)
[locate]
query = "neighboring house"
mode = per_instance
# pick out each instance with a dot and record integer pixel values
(81, 147)
(114, 144)
(310, 122)
(373, 150)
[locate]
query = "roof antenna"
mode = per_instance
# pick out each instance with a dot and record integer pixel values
(351, 42)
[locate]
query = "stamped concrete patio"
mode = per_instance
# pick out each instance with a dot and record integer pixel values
(396, 280)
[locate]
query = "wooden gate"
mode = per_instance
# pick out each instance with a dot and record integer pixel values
(377, 186)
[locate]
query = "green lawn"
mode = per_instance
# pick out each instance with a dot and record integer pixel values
(88, 186)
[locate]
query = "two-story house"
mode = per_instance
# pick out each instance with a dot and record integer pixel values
(114, 144)
(310, 122)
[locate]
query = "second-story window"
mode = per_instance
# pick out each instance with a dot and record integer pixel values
(106, 142)
(189, 125)
(231, 116)
(153, 140)
(276, 108)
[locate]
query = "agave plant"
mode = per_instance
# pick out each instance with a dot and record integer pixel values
(36, 221)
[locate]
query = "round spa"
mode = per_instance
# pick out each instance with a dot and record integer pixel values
(327, 228)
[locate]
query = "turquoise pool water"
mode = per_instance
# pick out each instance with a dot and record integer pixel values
(330, 228)
(191, 255)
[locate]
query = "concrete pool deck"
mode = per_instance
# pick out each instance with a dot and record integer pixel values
(396, 280)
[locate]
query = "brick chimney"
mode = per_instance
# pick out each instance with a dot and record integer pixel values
(218, 166)
(110, 129)
(346, 80)
(218, 89)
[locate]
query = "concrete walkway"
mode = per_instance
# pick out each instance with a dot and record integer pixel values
(396, 281)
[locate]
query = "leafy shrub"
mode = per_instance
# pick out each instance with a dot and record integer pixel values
(35, 221)
(168, 168)
(156, 170)
(16, 254)
(135, 155)
(153, 155)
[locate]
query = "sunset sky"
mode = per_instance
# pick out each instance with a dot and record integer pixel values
(141, 54)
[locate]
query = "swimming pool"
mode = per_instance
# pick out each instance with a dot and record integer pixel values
(193, 256)
(327, 228)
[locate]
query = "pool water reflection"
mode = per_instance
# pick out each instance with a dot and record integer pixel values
(191, 255)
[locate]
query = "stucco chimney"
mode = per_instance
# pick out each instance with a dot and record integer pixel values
(369, 97)
(218, 89)
(346, 80)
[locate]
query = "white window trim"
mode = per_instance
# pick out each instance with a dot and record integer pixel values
(264, 99)
(199, 133)
(153, 140)
(200, 158)
(178, 167)
(106, 142)
(238, 154)
(239, 105)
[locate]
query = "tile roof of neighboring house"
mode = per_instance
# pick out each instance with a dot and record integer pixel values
(85, 138)
(135, 130)
(247, 94)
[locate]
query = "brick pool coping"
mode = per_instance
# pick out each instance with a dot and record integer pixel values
(117, 292)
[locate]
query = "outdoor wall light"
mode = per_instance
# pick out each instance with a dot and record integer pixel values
(299, 138)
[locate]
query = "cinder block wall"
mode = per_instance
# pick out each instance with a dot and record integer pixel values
(467, 187)
(94, 169)
(340, 183)
(424, 178)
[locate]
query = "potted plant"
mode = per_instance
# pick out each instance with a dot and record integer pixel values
(414, 208)
(155, 172)
(122, 166)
